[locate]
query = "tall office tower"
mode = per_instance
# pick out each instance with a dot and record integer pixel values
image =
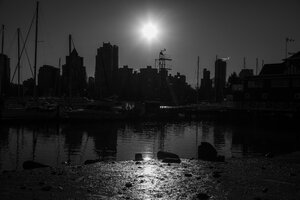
(220, 79)
(107, 61)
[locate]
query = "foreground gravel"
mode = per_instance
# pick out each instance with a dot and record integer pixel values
(237, 178)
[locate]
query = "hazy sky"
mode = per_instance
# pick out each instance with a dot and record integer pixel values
(187, 29)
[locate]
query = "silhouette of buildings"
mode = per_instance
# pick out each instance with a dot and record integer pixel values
(91, 87)
(4, 74)
(276, 87)
(126, 83)
(206, 86)
(149, 83)
(244, 73)
(180, 91)
(73, 74)
(28, 87)
(48, 81)
(220, 79)
(107, 61)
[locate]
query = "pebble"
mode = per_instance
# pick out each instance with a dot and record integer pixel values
(128, 184)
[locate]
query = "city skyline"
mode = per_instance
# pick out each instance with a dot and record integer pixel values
(187, 30)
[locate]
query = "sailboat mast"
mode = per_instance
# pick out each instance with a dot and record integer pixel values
(35, 52)
(19, 57)
(197, 87)
(2, 44)
(198, 73)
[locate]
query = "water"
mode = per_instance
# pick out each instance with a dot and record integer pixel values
(53, 144)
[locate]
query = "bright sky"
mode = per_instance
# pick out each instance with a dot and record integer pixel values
(187, 29)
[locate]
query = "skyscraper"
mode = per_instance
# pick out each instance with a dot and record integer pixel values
(74, 75)
(220, 79)
(206, 86)
(107, 61)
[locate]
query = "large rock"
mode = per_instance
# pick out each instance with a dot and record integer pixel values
(88, 162)
(168, 157)
(207, 152)
(138, 157)
(33, 165)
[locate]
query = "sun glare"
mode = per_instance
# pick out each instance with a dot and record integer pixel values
(149, 31)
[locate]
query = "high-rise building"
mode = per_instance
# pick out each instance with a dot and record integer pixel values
(206, 85)
(4, 74)
(220, 79)
(48, 80)
(74, 76)
(107, 61)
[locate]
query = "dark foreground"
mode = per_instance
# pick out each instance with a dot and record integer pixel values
(238, 178)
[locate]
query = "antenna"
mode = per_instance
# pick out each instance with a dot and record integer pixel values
(244, 62)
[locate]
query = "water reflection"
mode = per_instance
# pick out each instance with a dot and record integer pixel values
(53, 144)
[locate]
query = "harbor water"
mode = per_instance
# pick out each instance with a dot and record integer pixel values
(56, 144)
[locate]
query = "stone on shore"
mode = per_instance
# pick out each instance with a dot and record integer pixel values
(168, 157)
(33, 165)
(208, 153)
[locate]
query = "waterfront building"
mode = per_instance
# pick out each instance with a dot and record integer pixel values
(245, 73)
(107, 61)
(48, 81)
(179, 89)
(149, 83)
(28, 86)
(4, 74)
(74, 75)
(125, 82)
(91, 87)
(220, 79)
(206, 86)
(276, 87)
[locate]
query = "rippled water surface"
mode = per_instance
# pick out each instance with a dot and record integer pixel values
(53, 144)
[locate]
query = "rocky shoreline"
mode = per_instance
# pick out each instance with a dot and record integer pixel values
(237, 178)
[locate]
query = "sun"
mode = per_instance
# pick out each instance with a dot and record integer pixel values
(149, 31)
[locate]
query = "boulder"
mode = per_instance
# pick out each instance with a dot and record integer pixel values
(207, 152)
(138, 157)
(163, 154)
(33, 165)
(87, 162)
(168, 157)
